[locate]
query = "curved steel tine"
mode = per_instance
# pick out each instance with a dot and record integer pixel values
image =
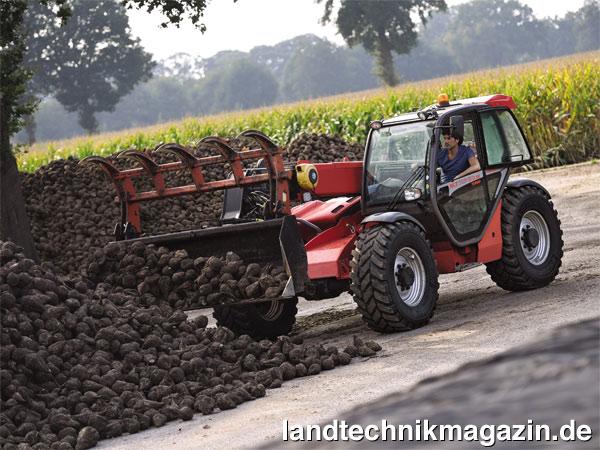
(184, 154)
(263, 140)
(104, 163)
(222, 145)
(187, 158)
(145, 160)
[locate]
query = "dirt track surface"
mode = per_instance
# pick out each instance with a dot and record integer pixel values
(474, 320)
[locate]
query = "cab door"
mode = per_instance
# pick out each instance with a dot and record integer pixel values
(504, 147)
(464, 203)
(468, 203)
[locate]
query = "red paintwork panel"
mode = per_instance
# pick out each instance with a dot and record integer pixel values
(490, 246)
(323, 214)
(448, 256)
(488, 249)
(492, 100)
(339, 178)
(329, 253)
(501, 100)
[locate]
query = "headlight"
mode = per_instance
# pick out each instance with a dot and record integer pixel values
(411, 194)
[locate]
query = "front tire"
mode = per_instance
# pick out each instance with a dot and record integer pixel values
(531, 241)
(394, 279)
(265, 320)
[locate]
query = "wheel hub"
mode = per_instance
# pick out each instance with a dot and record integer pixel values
(535, 237)
(410, 278)
(405, 276)
(531, 238)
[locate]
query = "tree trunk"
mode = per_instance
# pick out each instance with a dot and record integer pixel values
(87, 120)
(14, 223)
(385, 62)
(30, 128)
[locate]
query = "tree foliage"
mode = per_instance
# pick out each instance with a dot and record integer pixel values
(14, 105)
(321, 68)
(382, 27)
(276, 57)
(244, 84)
(13, 76)
(585, 24)
(89, 63)
(11, 86)
(175, 11)
(489, 33)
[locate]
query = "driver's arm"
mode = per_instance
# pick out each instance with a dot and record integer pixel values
(473, 167)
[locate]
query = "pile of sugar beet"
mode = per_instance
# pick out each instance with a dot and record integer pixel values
(72, 212)
(94, 342)
(181, 281)
(82, 361)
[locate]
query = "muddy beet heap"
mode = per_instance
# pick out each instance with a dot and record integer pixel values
(82, 361)
(182, 281)
(72, 212)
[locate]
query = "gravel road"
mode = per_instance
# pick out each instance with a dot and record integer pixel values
(474, 319)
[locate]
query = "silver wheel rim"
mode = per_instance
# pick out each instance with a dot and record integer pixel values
(538, 254)
(270, 310)
(413, 295)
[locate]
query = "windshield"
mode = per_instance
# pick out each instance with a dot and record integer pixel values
(395, 154)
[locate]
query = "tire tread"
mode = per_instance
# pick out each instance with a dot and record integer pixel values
(242, 319)
(507, 272)
(368, 281)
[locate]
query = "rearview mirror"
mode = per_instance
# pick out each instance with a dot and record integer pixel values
(457, 126)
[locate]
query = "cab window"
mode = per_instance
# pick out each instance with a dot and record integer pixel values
(468, 137)
(504, 141)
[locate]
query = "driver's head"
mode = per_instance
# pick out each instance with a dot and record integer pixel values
(449, 130)
(450, 141)
(453, 134)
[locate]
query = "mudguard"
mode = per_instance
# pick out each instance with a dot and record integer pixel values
(391, 217)
(520, 182)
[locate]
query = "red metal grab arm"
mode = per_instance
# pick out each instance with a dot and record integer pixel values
(276, 175)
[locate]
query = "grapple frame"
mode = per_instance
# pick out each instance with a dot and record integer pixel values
(276, 175)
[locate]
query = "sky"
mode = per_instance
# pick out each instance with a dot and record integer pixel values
(249, 23)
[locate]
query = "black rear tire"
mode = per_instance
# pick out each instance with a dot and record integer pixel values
(527, 262)
(389, 296)
(265, 320)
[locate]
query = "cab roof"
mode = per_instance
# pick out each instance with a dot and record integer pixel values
(491, 100)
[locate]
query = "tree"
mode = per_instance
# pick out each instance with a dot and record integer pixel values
(382, 27)
(88, 64)
(494, 33)
(159, 100)
(320, 68)
(14, 223)
(586, 26)
(276, 57)
(431, 57)
(242, 85)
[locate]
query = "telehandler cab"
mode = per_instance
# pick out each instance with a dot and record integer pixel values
(382, 229)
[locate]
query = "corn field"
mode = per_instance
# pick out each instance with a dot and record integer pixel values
(558, 106)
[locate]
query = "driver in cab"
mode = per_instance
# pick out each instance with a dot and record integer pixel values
(456, 160)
